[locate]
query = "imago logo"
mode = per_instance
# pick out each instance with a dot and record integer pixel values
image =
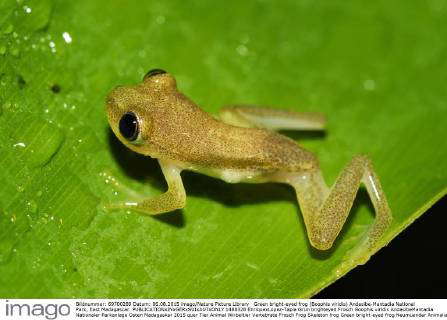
(49, 311)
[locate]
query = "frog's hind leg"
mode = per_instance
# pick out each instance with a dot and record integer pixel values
(326, 210)
(174, 198)
(273, 119)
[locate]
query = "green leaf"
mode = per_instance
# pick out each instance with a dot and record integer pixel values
(376, 69)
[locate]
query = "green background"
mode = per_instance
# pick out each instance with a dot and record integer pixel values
(376, 69)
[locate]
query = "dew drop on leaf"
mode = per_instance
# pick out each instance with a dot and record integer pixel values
(32, 206)
(15, 52)
(8, 29)
(37, 148)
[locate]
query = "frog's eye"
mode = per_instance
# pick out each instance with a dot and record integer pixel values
(153, 72)
(129, 127)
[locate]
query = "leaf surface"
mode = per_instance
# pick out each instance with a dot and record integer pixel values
(376, 69)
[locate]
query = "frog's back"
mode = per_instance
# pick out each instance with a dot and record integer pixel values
(259, 149)
(193, 136)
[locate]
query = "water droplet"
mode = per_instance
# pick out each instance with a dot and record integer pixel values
(160, 19)
(67, 37)
(52, 46)
(15, 52)
(242, 50)
(8, 29)
(142, 53)
(338, 273)
(39, 145)
(20, 188)
(36, 263)
(38, 16)
(245, 39)
(369, 85)
(19, 144)
(32, 206)
(85, 141)
(39, 193)
(2, 50)
(109, 179)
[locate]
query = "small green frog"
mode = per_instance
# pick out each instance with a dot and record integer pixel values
(240, 145)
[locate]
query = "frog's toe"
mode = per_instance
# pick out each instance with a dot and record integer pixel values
(119, 205)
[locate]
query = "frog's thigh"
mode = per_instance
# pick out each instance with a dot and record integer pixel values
(325, 211)
(174, 198)
(273, 119)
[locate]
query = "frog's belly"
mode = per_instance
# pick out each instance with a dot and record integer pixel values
(235, 175)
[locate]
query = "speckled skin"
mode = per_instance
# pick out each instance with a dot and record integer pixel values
(242, 146)
(173, 127)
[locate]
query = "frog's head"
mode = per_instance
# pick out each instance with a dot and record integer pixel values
(131, 109)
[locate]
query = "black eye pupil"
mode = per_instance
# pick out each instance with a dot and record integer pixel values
(129, 126)
(154, 72)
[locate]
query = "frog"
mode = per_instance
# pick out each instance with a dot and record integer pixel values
(241, 144)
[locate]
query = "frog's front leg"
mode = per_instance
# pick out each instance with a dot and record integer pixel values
(174, 198)
(273, 119)
(325, 210)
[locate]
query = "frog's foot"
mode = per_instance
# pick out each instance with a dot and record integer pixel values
(174, 198)
(273, 119)
(359, 254)
(326, 210)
